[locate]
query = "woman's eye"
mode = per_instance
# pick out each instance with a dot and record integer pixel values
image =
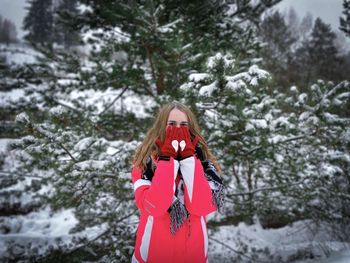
(184, 124)
(171, 124)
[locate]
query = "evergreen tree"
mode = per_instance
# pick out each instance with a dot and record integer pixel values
(8, 33)
(46, 22)
(172, 37)
(345, 19)
(325, 154)
(317, 57)
(39, 22)
(322, 50)
(94, 179)
(277, 52)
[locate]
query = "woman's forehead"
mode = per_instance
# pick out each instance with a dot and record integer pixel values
(177, 115)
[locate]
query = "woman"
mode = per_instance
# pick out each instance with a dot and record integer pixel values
(176, 184)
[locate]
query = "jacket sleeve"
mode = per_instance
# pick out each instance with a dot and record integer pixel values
(198, 194)
(155, 197)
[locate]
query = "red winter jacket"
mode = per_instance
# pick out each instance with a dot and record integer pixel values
(154, 241)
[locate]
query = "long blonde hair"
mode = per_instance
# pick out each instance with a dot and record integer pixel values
(149, 148)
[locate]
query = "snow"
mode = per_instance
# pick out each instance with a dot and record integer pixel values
(243, 82)
(84, 8)
(302, 98)
(283, 243)
(208, 89)
(277, 139)
(3, 144)
(236, 85)
(198, 77)
(227, 59)
(253, 124)
(294, 89)
(42, 227)
(342, 256)
(168, 28)
(279, 158)
(128, 102)
(257, 74)
(22, 117)
(19, 54)
(8, 97)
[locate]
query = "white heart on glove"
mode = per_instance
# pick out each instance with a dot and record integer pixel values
(182, 145)
(175, 145)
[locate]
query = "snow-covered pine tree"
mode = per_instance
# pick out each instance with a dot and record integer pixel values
(274, 147)
(75, 152)
(237, 100)
(172, 38)
(324, 157)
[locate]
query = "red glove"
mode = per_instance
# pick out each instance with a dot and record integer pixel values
(170, 145)
(186, 146)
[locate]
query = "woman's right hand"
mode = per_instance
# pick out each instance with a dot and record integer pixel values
(170, 145)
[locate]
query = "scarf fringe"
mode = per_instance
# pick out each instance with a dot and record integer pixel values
(219, 197)
(178, 215)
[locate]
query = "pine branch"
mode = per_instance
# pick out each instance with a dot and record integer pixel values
(52, 140)
(111, 104)
(20, 175)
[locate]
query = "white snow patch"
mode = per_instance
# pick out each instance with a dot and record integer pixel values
(208, 89)
(198, 77)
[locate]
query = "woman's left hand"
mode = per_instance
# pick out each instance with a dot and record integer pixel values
(187, 146)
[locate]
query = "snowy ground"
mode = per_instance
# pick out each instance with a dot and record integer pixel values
(288, 244)
(337, 257)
